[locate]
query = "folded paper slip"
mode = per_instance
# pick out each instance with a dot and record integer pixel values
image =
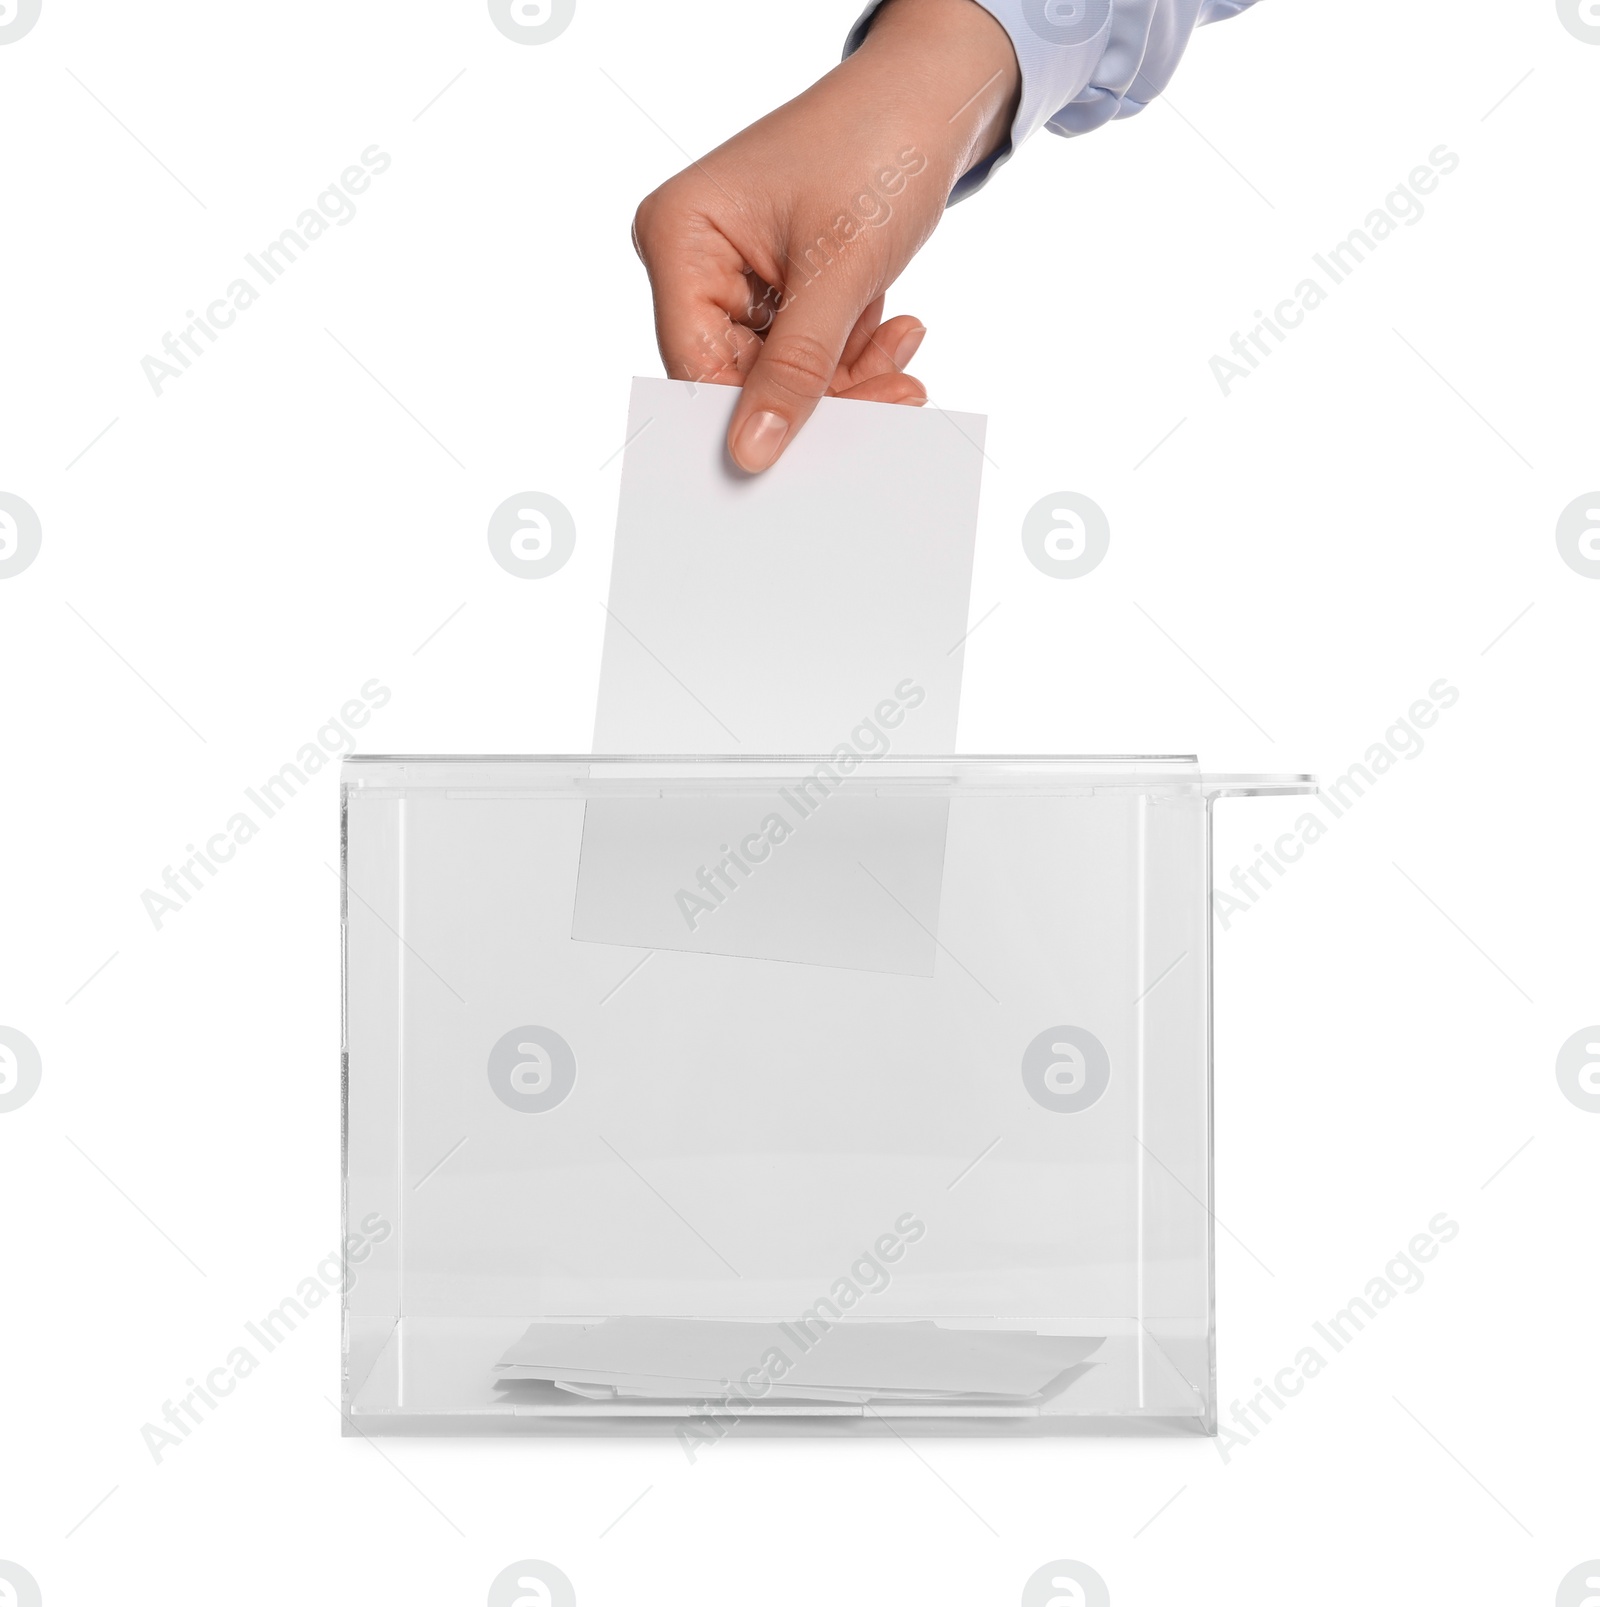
(707, 1390)
(621, 1387)
(917, 1355)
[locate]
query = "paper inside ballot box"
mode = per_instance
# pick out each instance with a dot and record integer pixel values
(797, 873)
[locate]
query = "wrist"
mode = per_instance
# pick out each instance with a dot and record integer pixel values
(959, 63)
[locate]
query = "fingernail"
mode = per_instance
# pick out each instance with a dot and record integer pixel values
(760, 436)
(907, 349)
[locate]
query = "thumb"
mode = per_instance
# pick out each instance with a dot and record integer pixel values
(798, 360)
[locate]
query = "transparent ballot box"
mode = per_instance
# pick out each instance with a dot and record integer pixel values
(808, 1095)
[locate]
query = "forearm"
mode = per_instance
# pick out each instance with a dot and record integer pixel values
(949, 69)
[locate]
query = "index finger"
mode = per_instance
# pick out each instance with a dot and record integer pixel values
(704, 302)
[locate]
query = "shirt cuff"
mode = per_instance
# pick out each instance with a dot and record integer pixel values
(1083, 62)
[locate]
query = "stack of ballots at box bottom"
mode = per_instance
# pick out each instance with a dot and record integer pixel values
(666, 1359)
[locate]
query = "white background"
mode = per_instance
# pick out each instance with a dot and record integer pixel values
(226, 565)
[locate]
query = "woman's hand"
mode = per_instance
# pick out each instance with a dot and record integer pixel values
(769, 259)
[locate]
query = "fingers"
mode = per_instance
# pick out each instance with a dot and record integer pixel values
(794, 371)
(719, 322)
(700, 333)
(816, 348)
(883, 352)
(898, 388)
(705, 302)
(860, 341)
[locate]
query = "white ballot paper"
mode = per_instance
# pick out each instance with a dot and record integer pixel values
(816, 609)
(774, 613)
(670, 1357)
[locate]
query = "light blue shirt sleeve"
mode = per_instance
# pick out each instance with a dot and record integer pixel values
(1084, 62)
